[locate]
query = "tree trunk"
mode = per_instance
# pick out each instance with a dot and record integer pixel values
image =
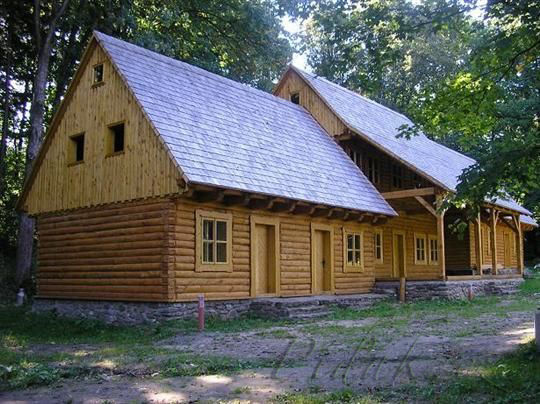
(25, 238)
(7, 108)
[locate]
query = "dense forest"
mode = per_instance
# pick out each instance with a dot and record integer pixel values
(466, 71)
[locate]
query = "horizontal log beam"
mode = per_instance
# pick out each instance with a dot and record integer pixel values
(409, 193)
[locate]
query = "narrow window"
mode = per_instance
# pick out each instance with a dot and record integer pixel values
(116, 138)
(420, 249)
(397, 176)
(378, 243)
(98, 74)
(352, 242)
(433, 250)
(356, 156)
(373, 172)
(295, 98)
(214, 233)
(76, 152)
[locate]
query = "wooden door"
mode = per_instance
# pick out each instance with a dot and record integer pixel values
(399, 255)
(265, 268)
(507, 250)
(322, 275)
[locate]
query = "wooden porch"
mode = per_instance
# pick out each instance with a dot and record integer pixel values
(481, 265)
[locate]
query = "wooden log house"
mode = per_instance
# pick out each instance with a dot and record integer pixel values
(159, 181)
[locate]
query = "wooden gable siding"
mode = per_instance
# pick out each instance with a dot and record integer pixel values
(143, 170)
(424, 224)
(117, 252)
(293, 83)
(295, 256)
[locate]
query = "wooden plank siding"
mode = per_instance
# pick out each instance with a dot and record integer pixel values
(424, 224)
(502, 229)
(115, 252)
(144, 169)
(295, 255)
(292, 84)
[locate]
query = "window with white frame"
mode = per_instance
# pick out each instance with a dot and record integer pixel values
(433, 250)
(419, 249)
(378, 245)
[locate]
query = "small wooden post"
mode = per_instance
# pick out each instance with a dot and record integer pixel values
(402, 291)
(519, 247)
(201, 312)
(440, 236)
(479, 244)
(493, 224)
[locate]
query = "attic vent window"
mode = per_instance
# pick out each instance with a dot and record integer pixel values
(295, 98)
(98, 74)
(76, 146)
(116, 138)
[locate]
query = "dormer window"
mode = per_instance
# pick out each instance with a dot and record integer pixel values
(98, 74)
(116, 138)
(295, 98)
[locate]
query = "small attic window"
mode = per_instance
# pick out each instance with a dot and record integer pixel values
(116, 138)
(295, 98)
(76, 146)
(98, 74)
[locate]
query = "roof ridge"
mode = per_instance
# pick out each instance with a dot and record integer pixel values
(375, 103)
(203, 72)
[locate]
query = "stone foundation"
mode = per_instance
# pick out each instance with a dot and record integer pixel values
(138, 312)
(418, 290)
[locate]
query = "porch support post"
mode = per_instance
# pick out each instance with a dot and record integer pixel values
(479, 244)
(519, 247)
(440, 235)
(493, 219)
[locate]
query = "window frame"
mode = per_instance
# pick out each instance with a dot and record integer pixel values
(111, 137)
(378, 232)
(102, 81)
(200, 266)
(72, 149)
(353, 267)
(433, 237)
(419, 236)
(373, 170)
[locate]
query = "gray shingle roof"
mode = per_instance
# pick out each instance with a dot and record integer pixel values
(226, 134)
(380, 125)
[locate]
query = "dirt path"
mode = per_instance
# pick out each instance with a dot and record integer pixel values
(325, 355)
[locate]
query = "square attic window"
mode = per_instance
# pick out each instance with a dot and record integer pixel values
(295, 98)
(98, 74)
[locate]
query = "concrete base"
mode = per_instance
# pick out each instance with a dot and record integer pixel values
(458, 289)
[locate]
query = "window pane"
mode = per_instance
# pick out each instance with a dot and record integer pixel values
(356, 241)
(350, 242)
(208, 229)
(350, 257)
(357, 258)
(208, 251)
(221, 230)
(221, 252)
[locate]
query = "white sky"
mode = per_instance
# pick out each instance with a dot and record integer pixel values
(299, 60)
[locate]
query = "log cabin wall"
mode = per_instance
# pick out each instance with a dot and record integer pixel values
(420, 224)
(142, 170)
(114, 252)
(459, 253)
(295, 256)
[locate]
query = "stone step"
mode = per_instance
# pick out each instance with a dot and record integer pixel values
(307, 310)
(307, 316)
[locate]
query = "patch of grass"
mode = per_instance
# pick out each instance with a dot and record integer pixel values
(515, 378)
(241, 390)
(342, 396)
(530, 286)
(198, 365)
